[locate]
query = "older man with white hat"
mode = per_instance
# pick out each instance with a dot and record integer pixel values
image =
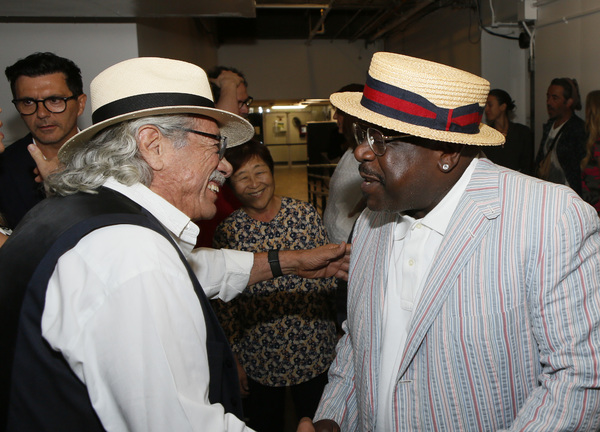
(105, 324)
(474, 290)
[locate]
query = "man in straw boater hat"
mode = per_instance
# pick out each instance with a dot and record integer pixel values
(105, 325)
(474, 290)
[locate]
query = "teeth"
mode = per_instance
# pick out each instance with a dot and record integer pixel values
(213, 187)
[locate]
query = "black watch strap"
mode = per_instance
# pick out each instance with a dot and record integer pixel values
(273, 257)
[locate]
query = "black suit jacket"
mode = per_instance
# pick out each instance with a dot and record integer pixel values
(19, 191)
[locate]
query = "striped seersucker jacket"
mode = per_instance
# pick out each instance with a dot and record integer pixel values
(506, 334)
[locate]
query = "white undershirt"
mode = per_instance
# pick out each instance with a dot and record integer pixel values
(122, 310)
(416, 243)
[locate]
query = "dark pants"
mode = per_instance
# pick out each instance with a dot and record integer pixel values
(265, 407)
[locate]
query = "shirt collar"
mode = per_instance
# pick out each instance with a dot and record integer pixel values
(179, 225)
(439, 218)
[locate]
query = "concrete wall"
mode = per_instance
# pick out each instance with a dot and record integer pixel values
(93, 47)
(505, 66)
(177, 38)
(291, 69)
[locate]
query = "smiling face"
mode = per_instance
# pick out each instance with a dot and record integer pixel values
(406, 179)
(254, 185)
(190, 177)
(50, 128)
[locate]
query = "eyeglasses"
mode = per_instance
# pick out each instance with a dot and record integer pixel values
(377, 141)
(246, 102)
(222, 140)
(54, 104)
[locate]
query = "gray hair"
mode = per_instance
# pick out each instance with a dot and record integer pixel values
(114, 153)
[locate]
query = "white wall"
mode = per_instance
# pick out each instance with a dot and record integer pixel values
(93, 47)
(290, 69)
(505, 66)
(567, 35)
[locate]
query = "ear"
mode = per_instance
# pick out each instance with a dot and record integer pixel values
(151, 145)
(449, 157)
(81, 100)
(570, 103)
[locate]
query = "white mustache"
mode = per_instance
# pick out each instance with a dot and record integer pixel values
(217, 177)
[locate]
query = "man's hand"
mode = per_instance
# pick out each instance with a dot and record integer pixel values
(306, 425)
(45, 167)
(228, 82)
(227, 78)
(324, 261)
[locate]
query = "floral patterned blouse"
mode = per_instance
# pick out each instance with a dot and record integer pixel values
(283, 330)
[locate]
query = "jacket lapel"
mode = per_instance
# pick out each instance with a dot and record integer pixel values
(467, 227)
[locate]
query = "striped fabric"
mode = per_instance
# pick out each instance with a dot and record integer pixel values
(506, 333)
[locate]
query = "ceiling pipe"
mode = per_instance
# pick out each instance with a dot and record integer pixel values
(319, 27)
(368, 26)
(358, 12)
(404, 18)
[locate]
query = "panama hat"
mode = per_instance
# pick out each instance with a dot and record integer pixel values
(422, 98)
(148, 86)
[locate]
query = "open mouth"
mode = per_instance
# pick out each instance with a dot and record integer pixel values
(214, 187)
(256, 194)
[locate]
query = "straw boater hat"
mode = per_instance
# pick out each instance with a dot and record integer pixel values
(148, 86)
(422, 98)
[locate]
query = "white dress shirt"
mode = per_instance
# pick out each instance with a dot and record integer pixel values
(122, 310)
(344, 194)
(416, 243)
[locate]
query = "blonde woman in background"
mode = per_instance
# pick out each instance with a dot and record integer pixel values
(590, 165)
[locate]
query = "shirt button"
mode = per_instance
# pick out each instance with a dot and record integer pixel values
(418, 226)
(411, 262)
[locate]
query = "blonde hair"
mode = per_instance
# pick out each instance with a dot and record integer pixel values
(592, 123)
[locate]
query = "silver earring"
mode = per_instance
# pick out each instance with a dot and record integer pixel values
(445, 167)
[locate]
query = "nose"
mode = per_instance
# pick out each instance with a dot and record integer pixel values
(225, 167)
(42, 111)
(363, 152)
(244, 110)
(252, 181)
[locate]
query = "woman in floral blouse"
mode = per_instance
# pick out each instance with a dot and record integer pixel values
(282, 331)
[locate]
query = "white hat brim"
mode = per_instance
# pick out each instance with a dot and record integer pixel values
(237, 129)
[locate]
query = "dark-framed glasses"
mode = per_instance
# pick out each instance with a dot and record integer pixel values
(376, 139)
(246, 102)
(54, 104)
(221, 139)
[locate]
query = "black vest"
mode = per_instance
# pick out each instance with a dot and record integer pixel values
(38, 389)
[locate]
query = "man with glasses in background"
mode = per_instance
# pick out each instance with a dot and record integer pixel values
(48, 93)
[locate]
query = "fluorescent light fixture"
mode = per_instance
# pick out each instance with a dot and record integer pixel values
(288, 107)
(315, 101)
